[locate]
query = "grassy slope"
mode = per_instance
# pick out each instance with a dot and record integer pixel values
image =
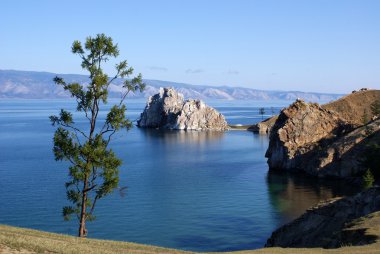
(352, 107)
(20, 240)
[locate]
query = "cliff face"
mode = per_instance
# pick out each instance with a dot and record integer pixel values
(344, 157)
(308, 137)
(333, 223)
(169, 110)
(298, 130)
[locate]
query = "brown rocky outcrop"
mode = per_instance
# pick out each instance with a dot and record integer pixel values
(298, 130)
(169, 110)
(333, 223)
(325, 141)
(344, 157)
(264, 127)
(308, 137)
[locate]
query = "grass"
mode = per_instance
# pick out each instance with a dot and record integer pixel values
(43, 242)
(353, 107)
(21, 240)
(239, 127)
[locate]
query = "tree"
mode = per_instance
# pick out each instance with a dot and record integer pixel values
(368, 179)
(94, 167)
(372, 159)
(272, 110)
(262, 112)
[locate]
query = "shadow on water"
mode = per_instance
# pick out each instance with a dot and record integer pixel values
(292, 194)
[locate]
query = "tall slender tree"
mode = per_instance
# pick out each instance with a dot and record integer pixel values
(94, 167)
(262, 112)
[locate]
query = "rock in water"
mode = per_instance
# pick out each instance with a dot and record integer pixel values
(169, 110)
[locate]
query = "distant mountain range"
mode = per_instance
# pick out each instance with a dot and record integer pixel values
(39, 85)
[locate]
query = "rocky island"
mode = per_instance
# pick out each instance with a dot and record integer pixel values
(169, 110)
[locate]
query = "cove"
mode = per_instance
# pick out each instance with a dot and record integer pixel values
(199, 191)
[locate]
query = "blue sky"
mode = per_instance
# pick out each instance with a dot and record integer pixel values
(320, 45)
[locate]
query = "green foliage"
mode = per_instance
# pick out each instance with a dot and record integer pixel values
(375, 108)
(372, 160)
(94, 167)
(368, 179)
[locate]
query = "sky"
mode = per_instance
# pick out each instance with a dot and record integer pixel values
(320, 45)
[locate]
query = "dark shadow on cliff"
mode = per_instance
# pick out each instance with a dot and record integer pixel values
(349, 163)
(356, 237)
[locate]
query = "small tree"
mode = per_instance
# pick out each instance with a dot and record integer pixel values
(272, 110)
(372, 159)
(94, 168)
(262, 112)
(368, 179)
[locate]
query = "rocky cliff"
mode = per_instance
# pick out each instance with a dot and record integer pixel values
(169, 110)
(334, 223)
(344, 157)
(354, 108)
(309, 137)
(298, 130)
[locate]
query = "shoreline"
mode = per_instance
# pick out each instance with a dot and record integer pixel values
(23, 240)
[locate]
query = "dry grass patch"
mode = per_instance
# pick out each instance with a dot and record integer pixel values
(354, 106)
(26, 241)
(42, 242)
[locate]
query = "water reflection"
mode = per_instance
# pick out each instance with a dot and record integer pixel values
(291, 195)
(182, 137)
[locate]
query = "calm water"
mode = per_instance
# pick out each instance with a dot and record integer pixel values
(201, 191)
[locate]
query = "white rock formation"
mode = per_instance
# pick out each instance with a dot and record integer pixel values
(169, 110)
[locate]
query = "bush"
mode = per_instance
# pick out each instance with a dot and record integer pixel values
(368, 179)
(372, 160)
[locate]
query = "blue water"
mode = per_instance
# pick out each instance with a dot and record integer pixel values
(200, 191)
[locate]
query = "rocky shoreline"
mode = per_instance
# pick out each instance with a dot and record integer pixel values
(331, 224)
(329, 141)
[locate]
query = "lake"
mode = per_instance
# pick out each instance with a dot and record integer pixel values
(199, 191)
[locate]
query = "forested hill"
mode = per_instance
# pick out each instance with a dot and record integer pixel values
(39, 85)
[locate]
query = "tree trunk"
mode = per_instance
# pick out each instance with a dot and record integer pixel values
(82, 224)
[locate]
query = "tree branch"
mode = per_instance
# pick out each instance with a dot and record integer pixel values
(74, 128)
